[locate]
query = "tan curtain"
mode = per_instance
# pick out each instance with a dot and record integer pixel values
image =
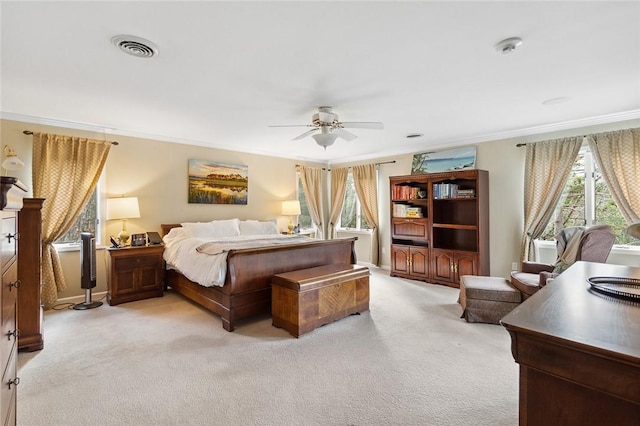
(365, 180)
(65, 172)
(338, 189)
(547, 168)
(312, 185)
(618, 157)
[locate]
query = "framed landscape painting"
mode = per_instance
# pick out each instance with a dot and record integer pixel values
(211, 182)
(444, 161)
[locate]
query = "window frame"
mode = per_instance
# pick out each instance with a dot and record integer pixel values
(359, 216)
(303, 205)
(101, 199)
(589, 204)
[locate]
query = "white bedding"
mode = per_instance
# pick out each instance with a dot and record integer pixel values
(181, 253)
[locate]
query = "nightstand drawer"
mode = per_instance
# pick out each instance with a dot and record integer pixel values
(140, 260)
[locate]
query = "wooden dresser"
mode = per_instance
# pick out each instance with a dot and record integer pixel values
(578, 350)
(11, 195)
(30, 275)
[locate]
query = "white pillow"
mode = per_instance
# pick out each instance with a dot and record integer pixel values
(198, 230)
(175, 234)
(225, 228)
(255, 227)
(213, 229)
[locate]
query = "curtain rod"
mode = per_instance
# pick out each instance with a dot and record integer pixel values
(29, 132)
(375, 164)
(518, 145)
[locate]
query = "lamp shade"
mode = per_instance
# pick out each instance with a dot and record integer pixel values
(325, 139)
(122, 208)
(11, 161)
(291, 208)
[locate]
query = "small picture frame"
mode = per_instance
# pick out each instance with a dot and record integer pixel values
(138, 240)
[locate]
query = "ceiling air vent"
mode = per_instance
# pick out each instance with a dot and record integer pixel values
(135, 46)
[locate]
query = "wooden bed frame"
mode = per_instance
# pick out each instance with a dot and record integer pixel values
(247, 287)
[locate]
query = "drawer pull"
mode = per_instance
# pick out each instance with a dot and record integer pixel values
(10, 236)
(15, 333)
(15, 382)
(15, 284)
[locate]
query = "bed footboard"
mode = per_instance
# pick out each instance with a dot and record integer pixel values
(247, 288)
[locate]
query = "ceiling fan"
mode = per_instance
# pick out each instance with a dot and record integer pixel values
(327, 127)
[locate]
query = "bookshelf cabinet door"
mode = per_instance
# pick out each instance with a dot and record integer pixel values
(419, 262)
(413, 229)
(399, 260)
(442, 265)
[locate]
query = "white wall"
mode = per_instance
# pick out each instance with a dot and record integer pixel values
(505, 163)
(156, 172)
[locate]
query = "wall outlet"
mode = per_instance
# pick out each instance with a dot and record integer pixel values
(514, 266)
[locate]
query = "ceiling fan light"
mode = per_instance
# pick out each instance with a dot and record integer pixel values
(325, 139)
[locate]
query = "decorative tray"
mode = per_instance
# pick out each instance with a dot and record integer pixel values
(626, 288)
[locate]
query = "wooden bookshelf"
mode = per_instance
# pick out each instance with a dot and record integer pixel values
(451, 238)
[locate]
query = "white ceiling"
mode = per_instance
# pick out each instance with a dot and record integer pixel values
(227, 70)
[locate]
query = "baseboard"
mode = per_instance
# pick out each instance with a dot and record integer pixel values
(95, 297)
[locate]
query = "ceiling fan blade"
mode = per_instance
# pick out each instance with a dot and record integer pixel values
(348, 136)
(362, 125)
(304, 135)
(292, 125)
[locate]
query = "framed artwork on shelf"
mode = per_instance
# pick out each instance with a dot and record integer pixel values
(448, 160)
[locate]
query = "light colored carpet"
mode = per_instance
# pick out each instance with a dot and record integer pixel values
(410, 360)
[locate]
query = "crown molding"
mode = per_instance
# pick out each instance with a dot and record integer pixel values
(511, 134)
(129, 133)
(576, 125)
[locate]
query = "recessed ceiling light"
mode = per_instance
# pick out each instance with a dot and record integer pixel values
(414, 135)
(554, 101)
(135, 46)
(508, 45)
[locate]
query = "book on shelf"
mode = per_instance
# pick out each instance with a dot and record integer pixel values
(403, 210)
(405, 192)
(399, 210)
(466, 193)
(451, 190)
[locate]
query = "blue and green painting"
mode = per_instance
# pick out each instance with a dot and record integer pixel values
(444, 161)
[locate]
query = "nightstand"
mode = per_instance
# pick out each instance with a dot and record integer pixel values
(135, 273)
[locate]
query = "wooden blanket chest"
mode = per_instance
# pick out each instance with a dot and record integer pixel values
(304, 300)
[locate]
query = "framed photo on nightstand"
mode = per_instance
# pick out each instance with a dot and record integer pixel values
(138, 240)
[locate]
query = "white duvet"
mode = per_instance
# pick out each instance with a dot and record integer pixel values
(181, 253)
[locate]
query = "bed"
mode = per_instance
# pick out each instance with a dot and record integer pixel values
(246, 290)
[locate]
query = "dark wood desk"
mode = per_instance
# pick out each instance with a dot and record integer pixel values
(578, 351)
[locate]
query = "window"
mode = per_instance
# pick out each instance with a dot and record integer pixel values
(351, 216)
(87, 221)
(586, 201)
(304, 220)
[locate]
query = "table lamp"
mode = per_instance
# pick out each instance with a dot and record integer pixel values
(123, 208)
(290, 208)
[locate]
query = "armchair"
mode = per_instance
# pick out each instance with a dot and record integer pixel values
(575, 243)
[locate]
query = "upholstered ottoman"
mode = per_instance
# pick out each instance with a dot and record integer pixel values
(486, 299)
